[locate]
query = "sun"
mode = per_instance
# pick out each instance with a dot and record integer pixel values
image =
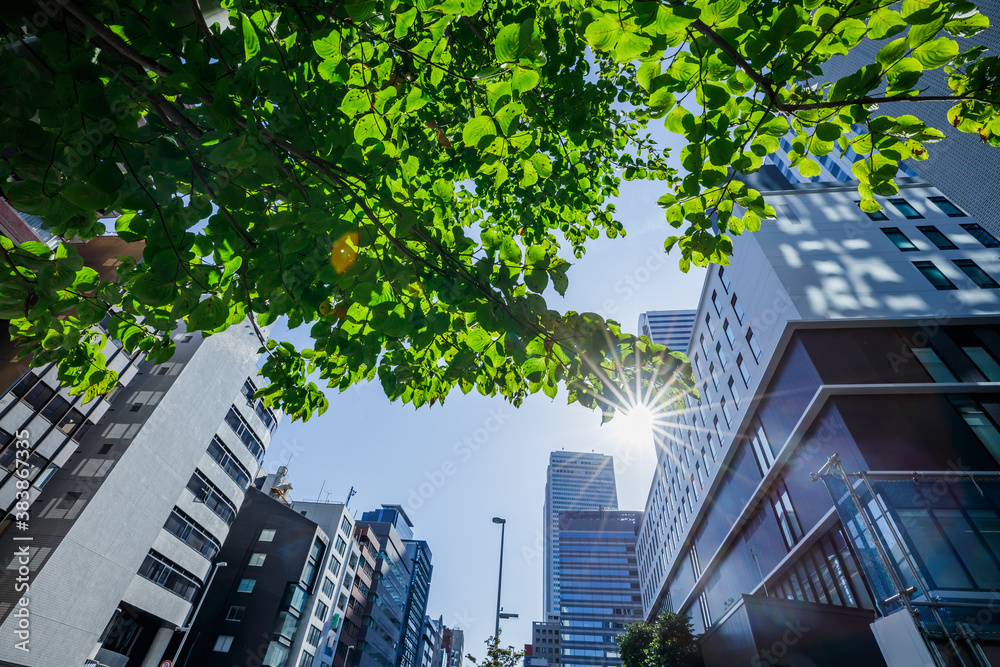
(634, 425)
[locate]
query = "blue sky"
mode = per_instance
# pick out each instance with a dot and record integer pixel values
(457, 465)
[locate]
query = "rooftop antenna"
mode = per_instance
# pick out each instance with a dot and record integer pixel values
(350, 494)
(320, 494)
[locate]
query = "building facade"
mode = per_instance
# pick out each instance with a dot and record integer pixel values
(600, 585)
(128, 526)
(545, 642)
(668, 327)
(574, 481)
(872, 337)
(453, 643)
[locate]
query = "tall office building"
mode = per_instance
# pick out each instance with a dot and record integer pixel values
(575, 481)
(394, 620)
(668, 327)
(600, 585)
(122, 536)
(875, 338)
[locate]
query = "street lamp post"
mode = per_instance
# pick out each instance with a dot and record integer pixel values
(194, 614)
(503, 527)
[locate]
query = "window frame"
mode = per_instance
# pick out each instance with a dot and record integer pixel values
(965, 265)
(976, 230)
(890, 232)
(937, 238)
(899, 202)
(937, 200)
(927, 266)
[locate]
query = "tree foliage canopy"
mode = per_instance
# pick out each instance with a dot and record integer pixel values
(668, 641)
(408, 177)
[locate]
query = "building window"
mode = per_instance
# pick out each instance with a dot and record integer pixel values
(716, 303)
(701, 341)
(712, 374)
(257, 559)
(738, 309)
(726, 283)
(707, 394)
(164, 572)
(191, 533)
(934, 275)
(212, 497)
(980, 424)
(697, 363)
(760, 446)
(711, 327)
(933, 364)
(222, 643)
(235, 613)
(312, 638)
(276, 654)
(345, 525)
(744, 370)
(718, 433)
(899, 239)
(754, 347)
(781, 503)
(327, 587)
(246, 585)
(725, 412)
(947, 207)
(334, 566)
(976, 274)
(321, 609)
(340, 545)
(935, 236)
(306, 660)
(874, 215)
(981, 235)
(730, 335)
(905, 209)
(722, 355)
(985, 362)
(266, 535)
(734, 391)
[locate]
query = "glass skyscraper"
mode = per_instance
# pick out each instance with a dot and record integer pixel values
(575, 481)
(599, 586)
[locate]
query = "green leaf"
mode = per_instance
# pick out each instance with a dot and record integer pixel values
(510, 252)
(479, 132)
(251, 43)
(210, 314)
(523, 79)
(630, 46)
(604, 33)
(808, 167)
(328, 48)
(891, 52)
(936, 53)
(828, 131)
(967, 26)
(543, 165)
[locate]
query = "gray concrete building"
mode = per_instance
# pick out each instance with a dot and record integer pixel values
(123, 535)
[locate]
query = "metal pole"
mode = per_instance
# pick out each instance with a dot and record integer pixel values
(194, 614)
(503, 527)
